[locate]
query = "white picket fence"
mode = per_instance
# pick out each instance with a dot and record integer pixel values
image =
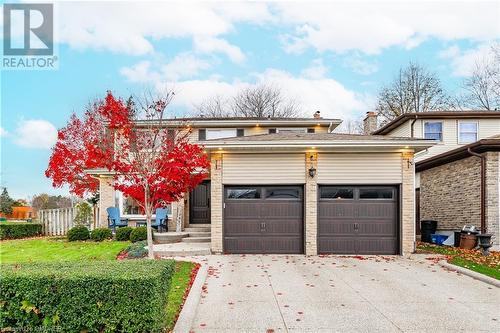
(57, 222)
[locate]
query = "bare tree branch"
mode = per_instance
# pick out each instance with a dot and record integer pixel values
(415, 89)
(255, 101)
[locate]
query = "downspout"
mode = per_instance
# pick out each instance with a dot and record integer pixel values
(412, 128)
(483, 188)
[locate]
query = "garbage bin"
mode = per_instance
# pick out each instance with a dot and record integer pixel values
(427, 228)
(456, 241)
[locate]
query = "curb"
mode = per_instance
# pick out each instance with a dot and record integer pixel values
(188, 312)
(472, 274)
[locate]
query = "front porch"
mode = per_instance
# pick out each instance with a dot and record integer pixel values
(193, 213)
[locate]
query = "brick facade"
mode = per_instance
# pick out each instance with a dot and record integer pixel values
(451, 194)
(311, 206)
(106, 199)
(408, 204)
(216, 197)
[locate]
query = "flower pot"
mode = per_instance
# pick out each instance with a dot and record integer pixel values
(484, 242)
(468, 242)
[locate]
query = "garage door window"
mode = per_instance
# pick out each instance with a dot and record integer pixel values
(243, 193)
(282, 193)
(379, 193)
(337, 193)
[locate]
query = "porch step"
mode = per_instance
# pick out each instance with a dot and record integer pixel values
(197, 229)
(181, 249)
(199, 234)
(196, 240)
(169, 237)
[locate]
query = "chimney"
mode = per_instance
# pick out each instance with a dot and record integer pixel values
(370, 123)
(317, 115)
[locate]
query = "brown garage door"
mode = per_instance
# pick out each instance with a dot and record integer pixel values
(358, 220)
(263, 219)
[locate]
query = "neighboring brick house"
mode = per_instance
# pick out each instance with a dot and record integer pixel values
(450, 178)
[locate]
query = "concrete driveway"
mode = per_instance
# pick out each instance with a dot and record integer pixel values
(270, 293)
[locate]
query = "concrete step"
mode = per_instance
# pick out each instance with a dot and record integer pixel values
(197, 229)
(169, 237)
(196, 240)
(181, 250)
(199, 234)
(199, 225)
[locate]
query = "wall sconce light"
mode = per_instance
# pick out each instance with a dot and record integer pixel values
(312, 172)
(410, 163)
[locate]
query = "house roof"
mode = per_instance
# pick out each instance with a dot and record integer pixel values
(484, 145)
(244, 121)
(290, 139)
(436, 115)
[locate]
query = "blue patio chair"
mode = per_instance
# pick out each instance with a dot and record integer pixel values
(114, 219)
(161, 219)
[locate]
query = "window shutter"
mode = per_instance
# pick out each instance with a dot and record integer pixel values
(310, 130)
(202, 134)
(240, 132)
(272, 130)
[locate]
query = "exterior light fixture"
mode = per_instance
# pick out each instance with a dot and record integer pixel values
(312, 172)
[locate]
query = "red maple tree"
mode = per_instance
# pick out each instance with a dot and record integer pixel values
(151, 162)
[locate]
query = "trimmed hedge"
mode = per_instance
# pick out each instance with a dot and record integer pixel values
(123, 234)
(100, 234)
(12, 230)
(117, 296)
(139, 234)
(78, 233)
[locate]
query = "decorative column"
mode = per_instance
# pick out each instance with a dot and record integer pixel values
(216, 203)
(408, 203)
(311, 204)
(106, 199)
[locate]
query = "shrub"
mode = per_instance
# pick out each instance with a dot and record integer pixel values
(78, 233)
(118, 296)
(12, 230)
(101, 234)
(139, 234)
(137, 250)
(123, 234)
(83, 213)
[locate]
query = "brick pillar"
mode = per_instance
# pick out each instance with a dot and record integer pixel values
(492, 196)
(176, 206)
(311, 205)
(408, 204)
(216, 197)
(106, 199)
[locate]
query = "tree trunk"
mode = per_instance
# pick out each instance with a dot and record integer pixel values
(180, 215)
(148, 209)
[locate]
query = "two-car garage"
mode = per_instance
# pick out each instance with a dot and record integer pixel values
(269, 216)
(351, 219)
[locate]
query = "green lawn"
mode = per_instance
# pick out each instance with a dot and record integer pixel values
(54, 249)
(180, 282)
(470, 259)
(59, 249)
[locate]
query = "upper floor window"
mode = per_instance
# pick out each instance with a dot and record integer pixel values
(467, 132)
(292, 130)
(209, 133)
(433, 130)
